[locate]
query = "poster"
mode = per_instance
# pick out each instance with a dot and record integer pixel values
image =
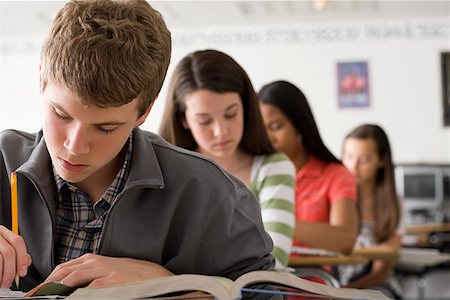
(353, 84)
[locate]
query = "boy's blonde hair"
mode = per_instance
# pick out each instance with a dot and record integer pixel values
(108, 52)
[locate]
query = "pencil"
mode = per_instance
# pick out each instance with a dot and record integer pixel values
(14, 211)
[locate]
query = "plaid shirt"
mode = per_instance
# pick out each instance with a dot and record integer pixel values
(79, 223)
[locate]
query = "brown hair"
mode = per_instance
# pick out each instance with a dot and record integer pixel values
(214, 71)
(293, 104)
(108, 52)
(387, 204)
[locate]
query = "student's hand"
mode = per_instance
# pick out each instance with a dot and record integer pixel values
(96, 270)
(14, 258)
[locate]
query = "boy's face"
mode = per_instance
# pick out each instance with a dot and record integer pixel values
(84, 142)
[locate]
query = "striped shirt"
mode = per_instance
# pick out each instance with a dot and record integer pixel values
(272, 181)
(79, 223)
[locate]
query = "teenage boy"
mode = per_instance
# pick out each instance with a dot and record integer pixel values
(101, 201)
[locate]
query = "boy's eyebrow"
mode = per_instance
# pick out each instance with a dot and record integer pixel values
(111, 123)
(58, 107)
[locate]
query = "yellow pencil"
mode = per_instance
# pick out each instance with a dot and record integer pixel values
(14, 211)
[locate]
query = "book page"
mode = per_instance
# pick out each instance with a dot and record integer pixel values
(290, 280)
(217, 286)
(7, 293)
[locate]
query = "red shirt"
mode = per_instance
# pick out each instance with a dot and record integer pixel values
(317, 186)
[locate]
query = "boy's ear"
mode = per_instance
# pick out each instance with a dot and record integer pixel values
(144, 116)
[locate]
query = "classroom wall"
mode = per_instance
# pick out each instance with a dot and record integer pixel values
(404, 74)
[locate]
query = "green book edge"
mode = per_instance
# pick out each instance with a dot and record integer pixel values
(55, 288)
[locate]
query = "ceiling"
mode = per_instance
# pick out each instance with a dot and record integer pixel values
(184, 13)
(28, 17)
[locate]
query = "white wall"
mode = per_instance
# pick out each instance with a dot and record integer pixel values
(404, 73)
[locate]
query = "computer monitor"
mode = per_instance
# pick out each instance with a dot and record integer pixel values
(421, 187)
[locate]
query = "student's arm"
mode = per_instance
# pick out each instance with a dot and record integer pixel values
(380, 268)
(14, 258)
(275, 184)
(339, 235)
(223, 236)
(97, 270)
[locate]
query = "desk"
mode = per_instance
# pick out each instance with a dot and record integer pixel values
(377, 253)
(418, 259)
(300, 261)
(359, 256)
(427, 228)
(418, 263)
(428, 235)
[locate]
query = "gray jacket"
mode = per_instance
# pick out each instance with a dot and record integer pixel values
(177, 209)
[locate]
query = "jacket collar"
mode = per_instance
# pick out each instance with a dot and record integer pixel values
(38, 165)
(38, 169)
(145, 168)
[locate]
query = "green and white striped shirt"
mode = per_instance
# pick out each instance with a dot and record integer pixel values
(272, 181)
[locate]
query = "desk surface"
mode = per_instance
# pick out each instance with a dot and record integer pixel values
(377, 253)
(427, 228)
(298, 260)
(419, 235)
(418, 260)
(358, 256)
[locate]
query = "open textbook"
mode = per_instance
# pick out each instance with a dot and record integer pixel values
(214, 287)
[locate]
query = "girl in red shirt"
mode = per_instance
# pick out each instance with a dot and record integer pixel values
(326, 215)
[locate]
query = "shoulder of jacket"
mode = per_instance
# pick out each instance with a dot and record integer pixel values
(183, 157)
(12, 136)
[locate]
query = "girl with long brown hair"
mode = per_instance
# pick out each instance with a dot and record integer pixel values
(367, 154)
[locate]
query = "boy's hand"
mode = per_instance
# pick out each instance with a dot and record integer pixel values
(95, 270)
(14, 258)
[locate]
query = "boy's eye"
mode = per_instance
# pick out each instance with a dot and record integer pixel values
(107, 129)
(60, 115)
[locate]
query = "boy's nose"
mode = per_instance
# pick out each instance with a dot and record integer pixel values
(76, 141)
